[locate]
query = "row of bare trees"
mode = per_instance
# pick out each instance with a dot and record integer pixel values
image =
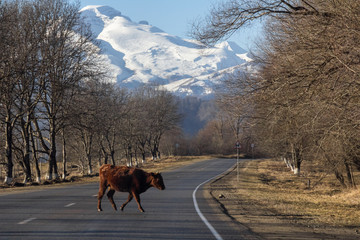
(303, 102)
(54, 95)
(108, 124)
(45, 53)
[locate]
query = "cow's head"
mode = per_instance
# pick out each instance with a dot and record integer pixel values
(157, 181)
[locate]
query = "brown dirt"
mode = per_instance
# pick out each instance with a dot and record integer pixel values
(274, 204)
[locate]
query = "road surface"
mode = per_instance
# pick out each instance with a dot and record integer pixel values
(179, 212)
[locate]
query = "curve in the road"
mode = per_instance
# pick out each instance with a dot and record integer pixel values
(203, 218)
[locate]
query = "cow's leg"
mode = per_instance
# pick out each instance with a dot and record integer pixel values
(137, 199)
(102, 190)
(130, 197)
(110, 195)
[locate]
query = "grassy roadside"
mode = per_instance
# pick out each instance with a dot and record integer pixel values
(268, 195)
(162, 165)
(326, 203)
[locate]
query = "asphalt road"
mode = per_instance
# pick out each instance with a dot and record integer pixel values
(71, 212)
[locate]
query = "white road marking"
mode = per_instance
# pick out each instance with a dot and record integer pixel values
(26, 221)
(211, 228)
(70, 204)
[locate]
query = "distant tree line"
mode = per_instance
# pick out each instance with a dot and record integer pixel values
(205, 130)
(303, 102)
(57, 103)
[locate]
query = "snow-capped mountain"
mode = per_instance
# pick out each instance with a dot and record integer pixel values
(138, 53)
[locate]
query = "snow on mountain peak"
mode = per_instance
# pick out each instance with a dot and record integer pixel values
(138, 53)
(102, 11)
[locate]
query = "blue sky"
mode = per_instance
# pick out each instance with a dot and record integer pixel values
(175, 16)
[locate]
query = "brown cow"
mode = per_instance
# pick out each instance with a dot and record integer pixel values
(125, 179)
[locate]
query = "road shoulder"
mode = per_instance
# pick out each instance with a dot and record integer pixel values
(260, 219)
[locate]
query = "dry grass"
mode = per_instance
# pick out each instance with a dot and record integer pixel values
(325, 203)
(164, 164)
(170, 163)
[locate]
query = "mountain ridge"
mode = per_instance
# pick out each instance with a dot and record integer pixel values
(139, 53)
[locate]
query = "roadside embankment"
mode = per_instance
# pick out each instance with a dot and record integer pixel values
(276, 204)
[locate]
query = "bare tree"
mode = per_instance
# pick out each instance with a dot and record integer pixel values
(228, 17)
(162, 116)
(96, 117)
(115, 108)
(30, 82)
(304, 97)
(152, 113)
(17, 75)
(68, 57)
(8, 16)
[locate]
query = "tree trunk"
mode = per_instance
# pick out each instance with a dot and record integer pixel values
(25, 128)
(112, 154)
(105, 159)
(38, 171)
(51, 151)
(64, 156)
(340, 178)
(8, 152)
(143, 157)
(56, 173)
(99, 160)
(297, 168)
(87, 138)
(51, 166)
(142, 145)
(129, 157)
(153, 155)
(297, 159)
(103, 151)
(52, 161)
(349, 174)
(136, 159)
(90, 171)
(27, 168)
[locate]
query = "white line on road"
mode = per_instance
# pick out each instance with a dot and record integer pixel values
(70, 204)
(211, 228)
(26, 221)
